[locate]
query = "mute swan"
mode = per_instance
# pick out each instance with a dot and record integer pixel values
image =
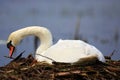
(67, 51)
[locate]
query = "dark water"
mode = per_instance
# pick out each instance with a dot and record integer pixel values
(99, 22)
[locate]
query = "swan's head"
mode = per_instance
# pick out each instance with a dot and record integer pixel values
(12, 41)
(42, 33)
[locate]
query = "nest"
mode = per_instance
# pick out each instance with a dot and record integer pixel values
(29, 69)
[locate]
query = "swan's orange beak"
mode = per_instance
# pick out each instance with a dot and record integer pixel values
(11, 50)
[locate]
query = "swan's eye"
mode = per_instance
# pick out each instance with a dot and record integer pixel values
(9, 44)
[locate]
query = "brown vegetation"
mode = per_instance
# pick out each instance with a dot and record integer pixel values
(29, 69)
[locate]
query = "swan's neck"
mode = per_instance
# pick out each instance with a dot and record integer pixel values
(42, 33)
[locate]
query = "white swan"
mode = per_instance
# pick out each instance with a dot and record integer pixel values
(67, 51)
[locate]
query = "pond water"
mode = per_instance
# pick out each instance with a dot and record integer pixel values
(98, 21)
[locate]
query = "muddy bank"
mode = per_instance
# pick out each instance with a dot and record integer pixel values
(29, 69)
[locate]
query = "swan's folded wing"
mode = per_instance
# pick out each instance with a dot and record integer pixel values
(68, 51)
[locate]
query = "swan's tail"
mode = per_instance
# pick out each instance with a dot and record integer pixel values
(87, 60)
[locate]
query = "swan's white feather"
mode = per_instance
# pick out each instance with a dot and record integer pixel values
(70, 51)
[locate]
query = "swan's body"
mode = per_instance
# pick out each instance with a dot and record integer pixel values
(67, 51)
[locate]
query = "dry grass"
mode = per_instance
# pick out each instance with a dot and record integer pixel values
(29, 69)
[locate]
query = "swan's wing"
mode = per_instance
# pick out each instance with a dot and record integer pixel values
(92, 49)
(69, 51)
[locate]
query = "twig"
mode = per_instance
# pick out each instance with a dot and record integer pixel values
(68, 73)
(112, 73)
(19, 56)
(2, 71)
(112, 53)
(77, 30)
(9, 57)
(46, 57)
(9, 71)
(16, 57)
